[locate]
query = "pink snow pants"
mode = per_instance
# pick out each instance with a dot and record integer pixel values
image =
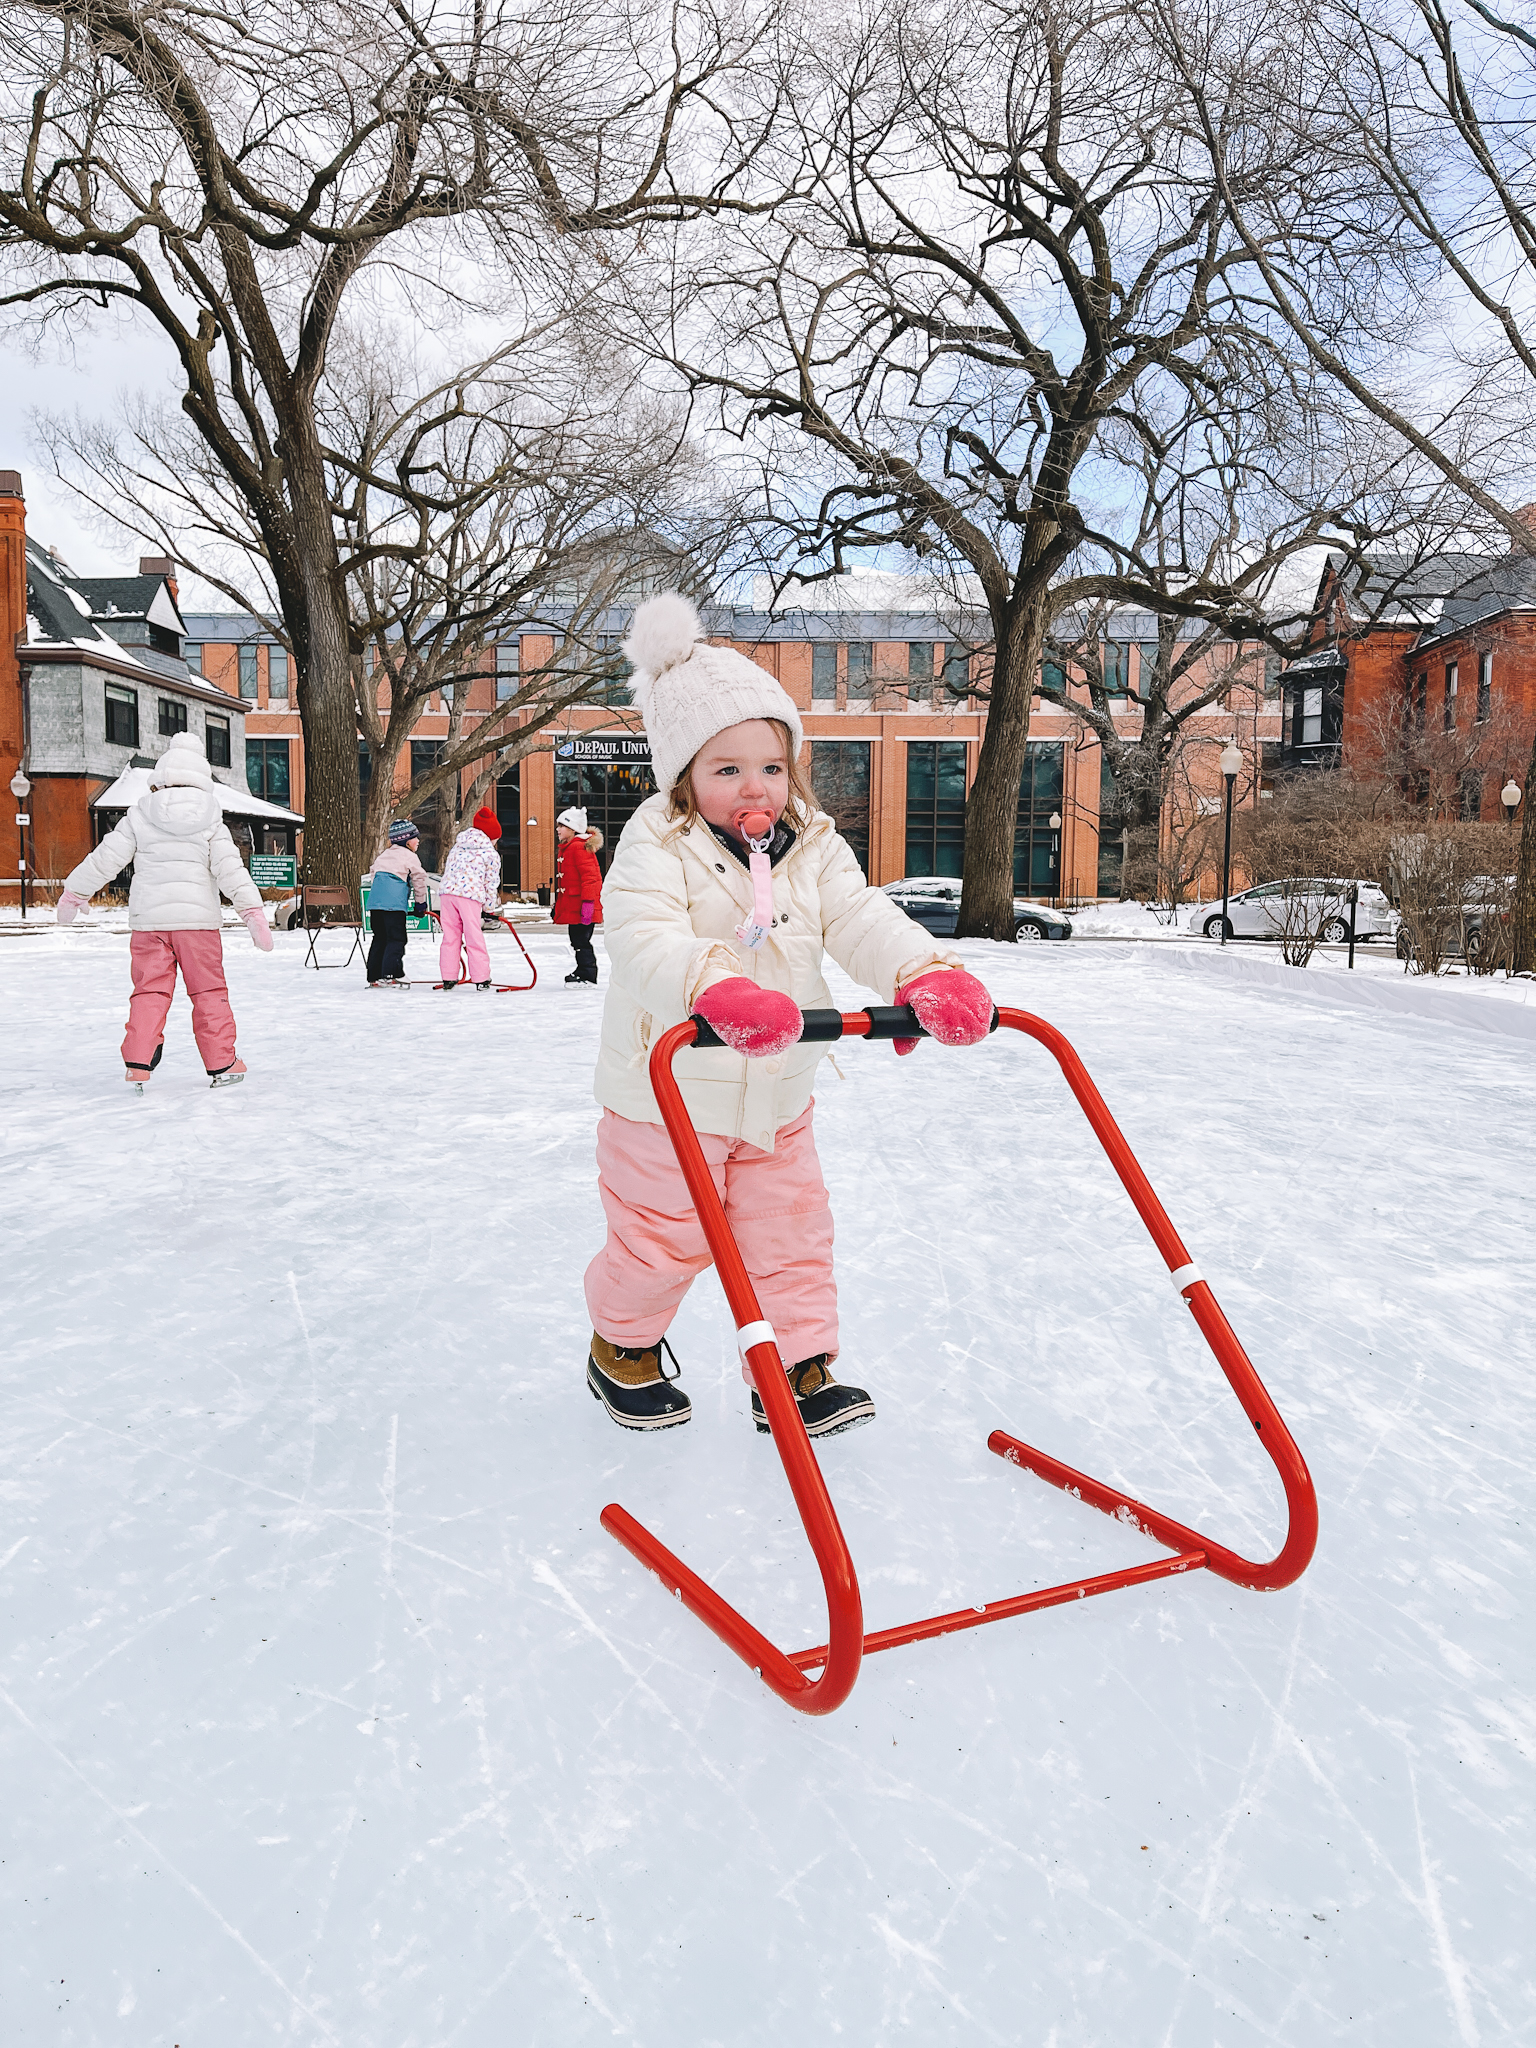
(155, 957)
(460, 919)
(776, 1203)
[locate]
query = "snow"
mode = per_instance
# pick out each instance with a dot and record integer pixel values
(331, 1715)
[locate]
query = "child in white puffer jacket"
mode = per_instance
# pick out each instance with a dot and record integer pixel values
(727, 889)
(183, 857)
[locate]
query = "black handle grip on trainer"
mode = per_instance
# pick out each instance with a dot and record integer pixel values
(886, 1020)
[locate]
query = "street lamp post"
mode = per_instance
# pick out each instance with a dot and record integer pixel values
(1231, 764)
(20, 789)
(1509, 797)
(1055, 859)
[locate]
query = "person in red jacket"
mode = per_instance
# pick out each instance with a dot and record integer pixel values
(579, 897)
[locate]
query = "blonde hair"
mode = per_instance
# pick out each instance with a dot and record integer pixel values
(799, 810)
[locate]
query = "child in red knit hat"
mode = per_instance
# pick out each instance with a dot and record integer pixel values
(471, 883)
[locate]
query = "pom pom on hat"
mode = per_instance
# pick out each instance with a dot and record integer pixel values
(687, 691)
(662, 633)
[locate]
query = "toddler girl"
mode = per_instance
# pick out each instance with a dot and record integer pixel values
(683, 939)
(471, 883)
(182, 858)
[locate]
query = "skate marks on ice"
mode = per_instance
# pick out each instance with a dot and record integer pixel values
(483, 1781)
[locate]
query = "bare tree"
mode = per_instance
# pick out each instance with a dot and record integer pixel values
(1008, 281)
(535, 493)
(1433, 242)
(238, 177)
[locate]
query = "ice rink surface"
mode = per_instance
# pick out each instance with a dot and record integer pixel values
(330, 1714)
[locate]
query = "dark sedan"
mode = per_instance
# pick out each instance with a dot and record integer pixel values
(934, 901)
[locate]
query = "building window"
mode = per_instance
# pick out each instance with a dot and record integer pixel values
(861, 665)
(1420, 698)
(173, 715)
(425, 755)
(1452, 671)
(1471, 794)
(919, 670)
(840, 778)
(266, 770)
(248, 672)
(192, 655)
(957, 671)
(1146, 672)
(509, 808)
(935, 808)
(277, 672)
(1117, 667)
(823, 671)
(617, 670)
(509, 667)
(1484, 687)
(1311, 721)
(1053, 679)
(610, 794)
(216, 742)
(122, 716)
(1035, 846)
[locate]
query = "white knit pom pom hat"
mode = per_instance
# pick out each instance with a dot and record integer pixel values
(687, 691)
(184, 764)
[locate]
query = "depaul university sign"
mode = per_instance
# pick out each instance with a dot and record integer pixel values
(605, 747)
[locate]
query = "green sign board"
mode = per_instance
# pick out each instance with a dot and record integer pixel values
(274, 870)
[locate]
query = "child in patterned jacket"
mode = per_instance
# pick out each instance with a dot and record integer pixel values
(471, 883)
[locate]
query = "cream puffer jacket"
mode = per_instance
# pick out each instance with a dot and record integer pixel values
(181, 851)
(672, 900)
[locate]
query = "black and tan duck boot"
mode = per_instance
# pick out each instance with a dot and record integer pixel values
(826, 1408)
(633, 1386)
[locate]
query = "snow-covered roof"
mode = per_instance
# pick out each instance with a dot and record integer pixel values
(133, 783)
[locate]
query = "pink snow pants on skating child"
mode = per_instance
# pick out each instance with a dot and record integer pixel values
(460, 919)
(155, 957)
(776, 1203)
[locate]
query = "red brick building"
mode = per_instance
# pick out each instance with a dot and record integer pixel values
(892, 732)
(1423, 672)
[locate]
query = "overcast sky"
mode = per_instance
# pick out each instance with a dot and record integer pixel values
(105, 365)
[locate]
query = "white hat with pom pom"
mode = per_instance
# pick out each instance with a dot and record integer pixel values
(687, 691)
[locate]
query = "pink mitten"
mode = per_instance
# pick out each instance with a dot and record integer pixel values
(951, 1005)
(757, 1021)
(68, 907)
(260, 931)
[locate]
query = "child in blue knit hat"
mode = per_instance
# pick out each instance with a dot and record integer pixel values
(395, 878)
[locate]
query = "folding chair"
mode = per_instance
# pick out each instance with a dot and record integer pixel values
(312, 899)
(838, 1659)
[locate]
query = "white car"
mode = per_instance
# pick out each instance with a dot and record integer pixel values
(1260, 913)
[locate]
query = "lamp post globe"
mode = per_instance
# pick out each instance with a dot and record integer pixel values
(1055, 861)
(1231, 764)
(1509, 797)
(20, 788)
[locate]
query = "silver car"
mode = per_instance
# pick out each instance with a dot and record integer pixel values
(1261, 912)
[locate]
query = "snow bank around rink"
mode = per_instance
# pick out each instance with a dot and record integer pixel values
(330, 1717)
(1484, 1003)
(1124, 921)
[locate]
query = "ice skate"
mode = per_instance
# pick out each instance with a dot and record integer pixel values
(136, 1076)
(485, 986)
(226, 1077)
(631, 1384)
(826, 1408)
